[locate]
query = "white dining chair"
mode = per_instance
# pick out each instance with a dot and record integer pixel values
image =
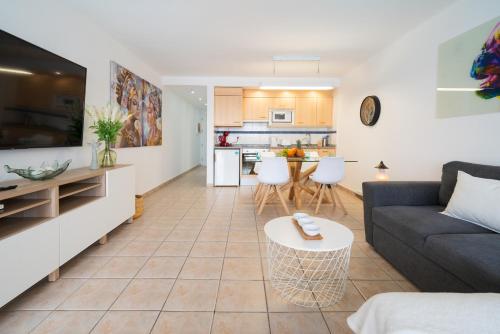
(329, 172)
(273, 174)
(257, 169)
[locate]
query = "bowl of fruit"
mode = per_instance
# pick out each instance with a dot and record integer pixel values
(293, 152)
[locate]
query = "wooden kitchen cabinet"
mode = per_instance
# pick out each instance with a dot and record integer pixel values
(228, 111)
(283, 102)
(324, 112)
(228, 106)
(305, 112)
(256, 109)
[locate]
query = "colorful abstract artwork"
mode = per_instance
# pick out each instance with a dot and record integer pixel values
(468, 81)
(140, 102)
(486, 66)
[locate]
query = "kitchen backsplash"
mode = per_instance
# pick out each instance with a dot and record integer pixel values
(260, 133)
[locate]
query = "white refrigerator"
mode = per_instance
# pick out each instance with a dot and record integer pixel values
(227, 167)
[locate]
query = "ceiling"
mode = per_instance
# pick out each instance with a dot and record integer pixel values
(239, 38)
(195, 95)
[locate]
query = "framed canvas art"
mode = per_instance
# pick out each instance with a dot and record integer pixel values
(468, 66)
(140, 102)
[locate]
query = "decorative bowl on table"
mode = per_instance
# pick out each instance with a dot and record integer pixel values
(44, 172)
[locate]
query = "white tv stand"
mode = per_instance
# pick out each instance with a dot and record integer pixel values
(46, 223)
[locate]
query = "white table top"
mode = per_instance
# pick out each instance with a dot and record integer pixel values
(335, 236)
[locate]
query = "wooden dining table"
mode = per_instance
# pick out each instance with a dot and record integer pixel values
(299, 178)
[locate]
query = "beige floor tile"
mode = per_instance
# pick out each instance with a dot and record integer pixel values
(389, 269)
(265, 268)
(337, 323)
(275, 303)
(121, 267)
(407, 286)
(183, 235)
(371, 288)
(95, 294)
(242, 236)
(192, 295)
(140, 248)
(201, 268)
(126, 322)
(46, 295)
(183, 323)
(20, 322)
(351, 301)
(208, 249)
(83, 266)
(242, 249)
(241, 296)
(242, 269)
(241, 323)
(144, 294)
(368, 249)
(153, 234)
(213, 235)
(74, 322)
(366, 269)
(162, 267)
(298, 323)
(111, 248)
(174, 248)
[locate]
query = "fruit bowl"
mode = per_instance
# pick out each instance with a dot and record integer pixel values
(45, 171)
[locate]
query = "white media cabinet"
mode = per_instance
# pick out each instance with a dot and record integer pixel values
(44, 224)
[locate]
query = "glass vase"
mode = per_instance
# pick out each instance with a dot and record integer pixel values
(107, 157)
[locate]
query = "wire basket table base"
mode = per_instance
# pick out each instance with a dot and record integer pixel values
(308, 278)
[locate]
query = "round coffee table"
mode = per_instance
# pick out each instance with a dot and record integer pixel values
(308, 272)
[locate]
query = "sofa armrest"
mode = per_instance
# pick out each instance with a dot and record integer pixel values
(411, 193)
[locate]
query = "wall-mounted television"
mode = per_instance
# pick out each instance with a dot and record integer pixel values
(42, 97)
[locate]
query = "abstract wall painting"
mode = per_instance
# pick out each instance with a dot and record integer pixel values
(468, 81)
(140, 102)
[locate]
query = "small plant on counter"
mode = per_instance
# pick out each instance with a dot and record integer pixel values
(106, 124)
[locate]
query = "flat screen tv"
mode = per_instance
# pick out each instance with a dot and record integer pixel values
(42, 97)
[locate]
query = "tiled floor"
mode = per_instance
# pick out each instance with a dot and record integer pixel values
(195, 262)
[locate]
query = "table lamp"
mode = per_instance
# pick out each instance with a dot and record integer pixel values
(381, 172)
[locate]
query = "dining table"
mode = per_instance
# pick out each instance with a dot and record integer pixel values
(299, 178)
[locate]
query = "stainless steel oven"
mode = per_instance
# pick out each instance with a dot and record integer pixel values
(249, 157)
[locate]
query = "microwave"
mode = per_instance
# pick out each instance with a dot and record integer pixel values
(281, 117)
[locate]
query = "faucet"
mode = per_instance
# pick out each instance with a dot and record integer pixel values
(308, 136)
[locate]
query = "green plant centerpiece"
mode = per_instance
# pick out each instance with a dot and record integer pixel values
(106, 124)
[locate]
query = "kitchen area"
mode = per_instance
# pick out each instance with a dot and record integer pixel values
(249, 122)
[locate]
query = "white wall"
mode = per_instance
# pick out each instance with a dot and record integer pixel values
(51, 25)
(183, 146)
(408, 136)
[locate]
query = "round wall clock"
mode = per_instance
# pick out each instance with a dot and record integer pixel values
(369, 111)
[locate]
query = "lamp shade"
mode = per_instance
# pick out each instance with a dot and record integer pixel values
(381, 165)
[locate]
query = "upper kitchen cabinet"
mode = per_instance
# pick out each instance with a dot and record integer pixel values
(256, 109)
(324, 112)
(283, 103)
(228, 106)
(305, 112)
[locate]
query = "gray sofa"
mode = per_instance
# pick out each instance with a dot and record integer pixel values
(435, 252)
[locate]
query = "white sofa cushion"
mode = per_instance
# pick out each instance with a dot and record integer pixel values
(476, 200)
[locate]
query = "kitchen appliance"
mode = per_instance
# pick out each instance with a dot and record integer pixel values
(281, 117)
(42, 97)
(249, 160)
(223, 139)
(325, 141)
(227, 167)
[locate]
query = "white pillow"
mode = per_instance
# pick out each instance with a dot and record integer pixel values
(476, 200)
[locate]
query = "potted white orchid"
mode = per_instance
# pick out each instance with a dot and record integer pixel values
(106, 123)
